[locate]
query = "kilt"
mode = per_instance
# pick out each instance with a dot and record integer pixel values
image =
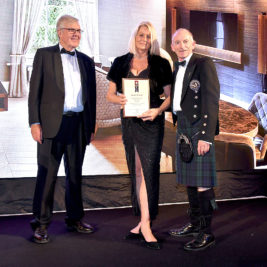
(201, 171)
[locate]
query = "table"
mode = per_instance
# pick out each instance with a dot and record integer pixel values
(233, 119)
(237, 120)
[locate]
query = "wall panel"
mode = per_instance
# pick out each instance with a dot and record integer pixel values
(117, 18)
(240, 82)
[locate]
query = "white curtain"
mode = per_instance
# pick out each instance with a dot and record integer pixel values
(87, 11)
(26, 16)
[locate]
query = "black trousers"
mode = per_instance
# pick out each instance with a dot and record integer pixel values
(69, 144)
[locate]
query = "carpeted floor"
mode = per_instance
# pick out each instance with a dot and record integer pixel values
(240, 227)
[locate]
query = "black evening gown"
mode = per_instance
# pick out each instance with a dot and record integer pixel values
(147, 138)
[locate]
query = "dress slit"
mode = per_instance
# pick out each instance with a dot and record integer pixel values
(145, 180)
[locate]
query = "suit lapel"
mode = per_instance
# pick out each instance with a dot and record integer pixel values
(188, 74)
(173, 83)
(83, 75)
(58, 69)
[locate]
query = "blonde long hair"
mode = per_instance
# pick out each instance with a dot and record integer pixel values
(154, 49)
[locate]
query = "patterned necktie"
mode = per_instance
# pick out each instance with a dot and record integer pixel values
(64, 51)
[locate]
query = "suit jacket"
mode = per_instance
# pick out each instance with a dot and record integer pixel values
(200, 96)
(47, 91)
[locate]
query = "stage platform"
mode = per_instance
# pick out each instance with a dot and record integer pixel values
(108, 191)
(240, 228)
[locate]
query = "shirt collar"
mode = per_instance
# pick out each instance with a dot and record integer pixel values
(60, 47)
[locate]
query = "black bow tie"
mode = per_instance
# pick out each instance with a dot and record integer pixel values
(181, 63)
(64, 51)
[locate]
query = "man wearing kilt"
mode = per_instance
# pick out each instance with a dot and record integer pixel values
(195, 104)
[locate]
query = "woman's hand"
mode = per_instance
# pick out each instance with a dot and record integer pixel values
(122, 99)
(150, 114)
(114, 97)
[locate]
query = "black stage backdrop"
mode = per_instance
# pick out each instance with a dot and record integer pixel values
(114, 190)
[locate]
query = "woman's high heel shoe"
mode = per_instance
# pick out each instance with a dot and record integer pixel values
(152, 245)
(133, 236)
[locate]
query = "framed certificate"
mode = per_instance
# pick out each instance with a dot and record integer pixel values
(137, 93)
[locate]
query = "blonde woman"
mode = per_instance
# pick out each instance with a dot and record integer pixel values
(143, 135)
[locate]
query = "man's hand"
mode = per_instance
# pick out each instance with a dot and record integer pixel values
(36, 131)
(202, 147)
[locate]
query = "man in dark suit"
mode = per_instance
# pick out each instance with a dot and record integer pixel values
(195, 104)
(62, 110)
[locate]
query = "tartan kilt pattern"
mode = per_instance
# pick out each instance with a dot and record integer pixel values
(201, 171)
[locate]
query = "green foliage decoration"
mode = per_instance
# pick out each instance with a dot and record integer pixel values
(46, 34)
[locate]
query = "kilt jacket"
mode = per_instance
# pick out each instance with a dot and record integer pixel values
(200, 96)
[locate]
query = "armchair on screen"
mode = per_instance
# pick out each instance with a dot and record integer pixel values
(107, 114)
(258, 107)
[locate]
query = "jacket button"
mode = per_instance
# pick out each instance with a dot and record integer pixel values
(203, 132)
(195, 106)
(194, 115)
(196, 97)
(204, 124)
(205, 116)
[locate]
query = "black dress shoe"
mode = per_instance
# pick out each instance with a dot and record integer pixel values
(202, 242)
(80, 227)
(34, 224)
(40, 235)
(187, 230)
(133, 236)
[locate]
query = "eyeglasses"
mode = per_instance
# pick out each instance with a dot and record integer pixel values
(73, 31)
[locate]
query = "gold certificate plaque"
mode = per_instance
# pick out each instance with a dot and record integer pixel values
(137, 93)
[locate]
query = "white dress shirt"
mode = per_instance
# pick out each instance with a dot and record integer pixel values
(178, 87)
(72, 82)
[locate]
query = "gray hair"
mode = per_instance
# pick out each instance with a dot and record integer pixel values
(154, 49)
(63, 19)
